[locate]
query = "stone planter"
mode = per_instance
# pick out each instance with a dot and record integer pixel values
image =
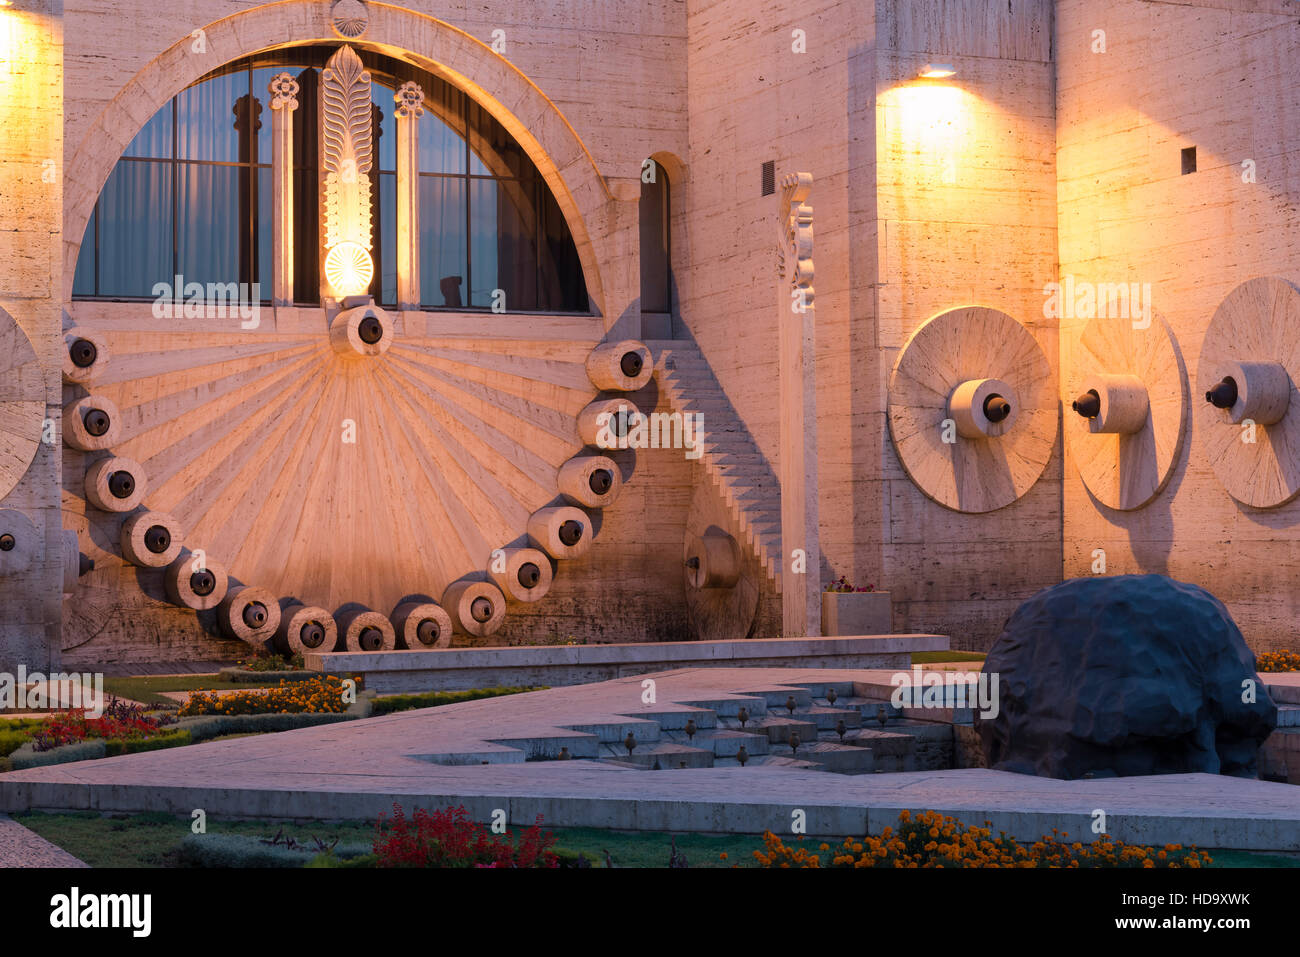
(856, 613)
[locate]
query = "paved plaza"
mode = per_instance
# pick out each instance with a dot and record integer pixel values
(499, 754)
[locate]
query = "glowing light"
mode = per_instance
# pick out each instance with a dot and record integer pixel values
(938, 71)
(348, 269)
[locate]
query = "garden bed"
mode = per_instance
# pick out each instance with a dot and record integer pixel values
(260, 676)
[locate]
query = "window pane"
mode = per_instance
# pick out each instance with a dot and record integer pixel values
(385, 131)
(83, 281)
(306, 235)
(493, 151)
(442, 241)
(265, 229)
(386, 261)
(503, 245)
(135, 231)
(306, 119)
(213, 119)
(442, 148)
(563, 288)
(155, 140)
(208, 240)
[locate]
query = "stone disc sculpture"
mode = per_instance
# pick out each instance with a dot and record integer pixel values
(971, 409)
(22, 403)
(1124, 675)
(721, 578)
(1253, 441)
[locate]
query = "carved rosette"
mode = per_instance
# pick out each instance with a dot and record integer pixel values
(410, 100)
(284, 92)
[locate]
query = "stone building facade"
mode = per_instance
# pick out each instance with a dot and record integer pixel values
(625, 175)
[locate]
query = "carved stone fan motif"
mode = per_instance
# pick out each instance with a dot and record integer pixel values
(332, 479)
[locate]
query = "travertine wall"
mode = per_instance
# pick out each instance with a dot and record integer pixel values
(965, 214)
(31, 164)
(616, 72)
(925, 199)
(789, 84)
(1220, 76)
(927, 196)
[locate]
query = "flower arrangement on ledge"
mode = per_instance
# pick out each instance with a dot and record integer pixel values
(844, 585)
(1271, 662)
(934, 840)
(316, 695)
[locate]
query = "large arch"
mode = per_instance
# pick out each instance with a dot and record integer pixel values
(564, 162)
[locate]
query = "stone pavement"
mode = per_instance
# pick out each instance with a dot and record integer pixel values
(478, 754)
(20, 847)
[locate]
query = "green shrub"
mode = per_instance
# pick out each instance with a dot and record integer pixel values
(27, 757)
(206, 727)
(239, 851)
(168, 739)
(11, 741)
(331, 859)
(260, 675)
(433, 699)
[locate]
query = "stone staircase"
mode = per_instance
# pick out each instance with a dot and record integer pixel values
(731, 458)
(843, 727)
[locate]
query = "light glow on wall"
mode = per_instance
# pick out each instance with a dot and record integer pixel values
(348, 269)
(932, 125)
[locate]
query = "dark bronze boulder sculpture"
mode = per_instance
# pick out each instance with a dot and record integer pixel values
(1124, 675)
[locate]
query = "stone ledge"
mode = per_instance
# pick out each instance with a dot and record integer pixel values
(444, 669)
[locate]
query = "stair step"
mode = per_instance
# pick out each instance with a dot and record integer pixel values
(617, 731)
(667, 755)
(772, 761)
(839, 758)
(826, 717)
(778, 730)
(723, 742)
(882, 743)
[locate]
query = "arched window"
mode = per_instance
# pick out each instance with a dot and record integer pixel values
(656, 270)
(192, 196)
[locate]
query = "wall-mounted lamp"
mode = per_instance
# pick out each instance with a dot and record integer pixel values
(938, 71)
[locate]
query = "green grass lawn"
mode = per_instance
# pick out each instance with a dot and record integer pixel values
(151, 840)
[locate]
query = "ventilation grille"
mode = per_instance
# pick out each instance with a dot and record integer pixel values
(769, 177)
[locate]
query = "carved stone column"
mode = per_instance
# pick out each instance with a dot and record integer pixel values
(284, 100)
(797, 356)
(410, 107)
